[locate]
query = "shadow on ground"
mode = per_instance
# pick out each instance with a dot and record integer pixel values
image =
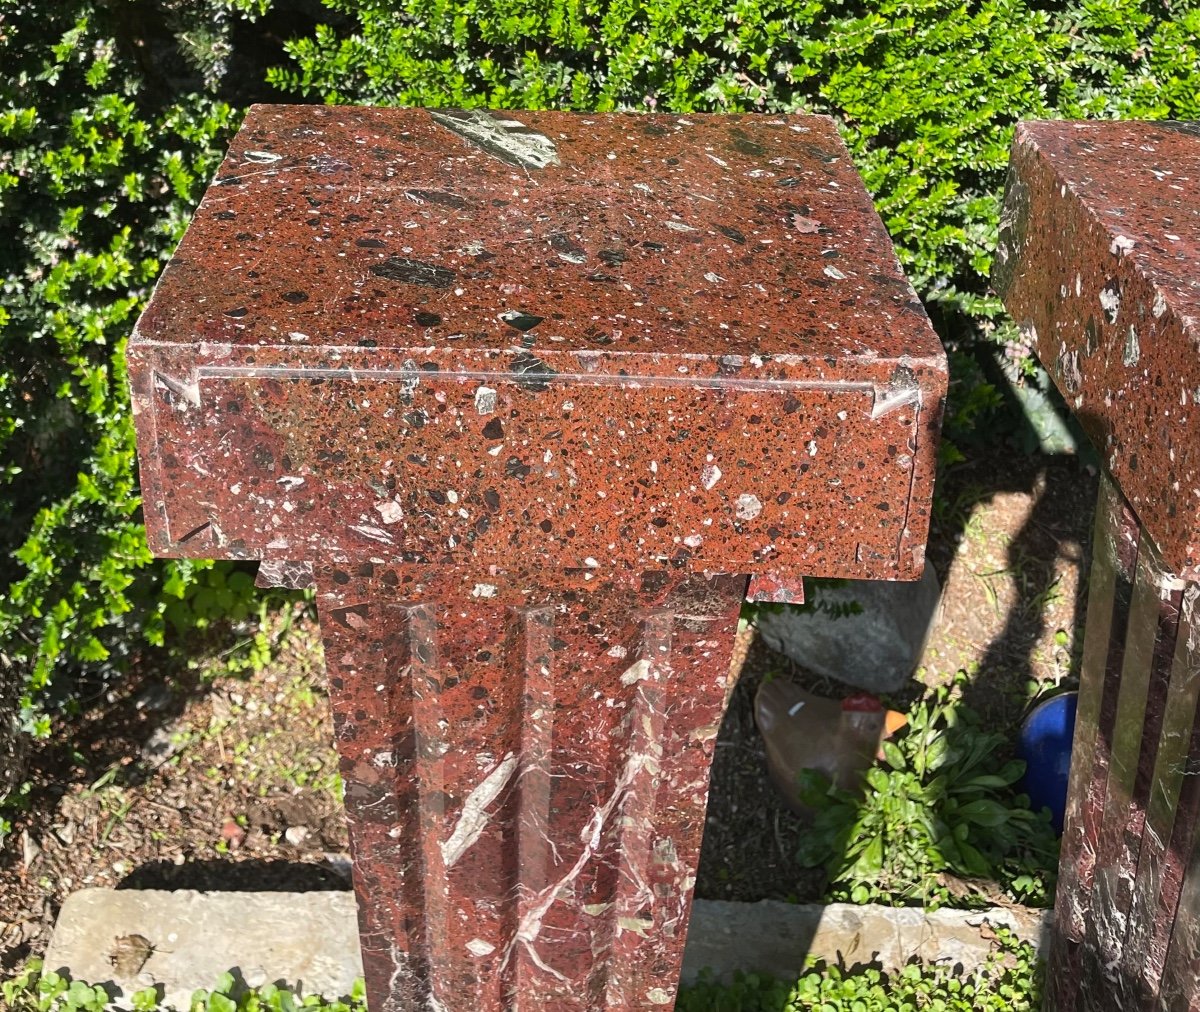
(1010, 541)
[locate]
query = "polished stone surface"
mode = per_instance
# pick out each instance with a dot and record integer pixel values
(662, 341)
(1100, 265)
(532, 400)
(1099, 246)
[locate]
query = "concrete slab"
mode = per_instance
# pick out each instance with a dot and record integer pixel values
(774, 939)
(130, 939)
(307, 941)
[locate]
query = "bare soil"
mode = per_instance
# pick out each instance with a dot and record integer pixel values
(226, 781)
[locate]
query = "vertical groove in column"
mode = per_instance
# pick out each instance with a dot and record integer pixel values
(437, 853)
(1149, 929)
(1175, 943)
(536, 855)
(366, 647)
(1117, 845)
(1113, 561)
(636, 912)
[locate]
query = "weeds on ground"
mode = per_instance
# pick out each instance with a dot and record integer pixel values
(1010, 980)
(940, 821)
(38, 991)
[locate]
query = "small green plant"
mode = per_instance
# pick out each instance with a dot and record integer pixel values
(1010, 980)
(36, 991)
(940, 820)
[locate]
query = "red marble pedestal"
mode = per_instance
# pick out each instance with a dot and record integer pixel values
(533, 401)
(1099, 260)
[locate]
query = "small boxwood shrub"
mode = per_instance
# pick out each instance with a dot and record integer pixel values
(98, 176)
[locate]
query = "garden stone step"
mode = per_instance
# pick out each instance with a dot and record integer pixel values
(309, 941)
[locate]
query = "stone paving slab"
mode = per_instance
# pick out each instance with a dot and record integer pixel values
(773, 938)
(309, 941)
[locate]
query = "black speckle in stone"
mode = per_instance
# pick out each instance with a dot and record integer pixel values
(659, 521)
(244, 236)
(236, 314)
(531, 371)
(612, 257)
(414, 272)
(225, 215)
(491, 499)
(427, 319)
(519, 320)
(439, 197)
(598, 276)
(263, 457)
(830, 254)
(416, 419)
(567, 248)
(743, 143)
(340, 577)
(515, 469)
(653, 246)
(655, 130)
(732, 233)
(546, 526)
(368, 342)
(789, 182)
(494, 429)
(295, 297)
(436, 496)
(598, 336)
(371, 243)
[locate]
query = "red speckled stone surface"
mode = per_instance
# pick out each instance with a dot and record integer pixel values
(1099, 263)
(680, 341)
(526, 761)
(517, 393)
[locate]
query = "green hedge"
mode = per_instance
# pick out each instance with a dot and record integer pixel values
(105, 152)
(99, 173)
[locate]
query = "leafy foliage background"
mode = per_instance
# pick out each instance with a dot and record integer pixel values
(114, 114)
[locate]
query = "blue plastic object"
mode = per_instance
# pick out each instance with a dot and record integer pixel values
(1045, 746)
